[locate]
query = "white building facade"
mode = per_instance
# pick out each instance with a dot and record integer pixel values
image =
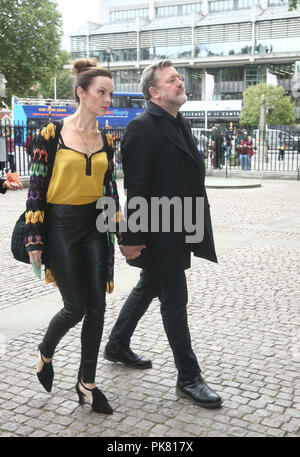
(237, 41)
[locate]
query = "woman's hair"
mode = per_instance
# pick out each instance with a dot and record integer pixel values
(84, 71)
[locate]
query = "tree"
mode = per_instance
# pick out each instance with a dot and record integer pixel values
(64, 81)
(293, 4)
(280, 108)
(30, 34)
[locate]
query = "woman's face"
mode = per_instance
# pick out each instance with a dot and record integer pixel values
(97, 98)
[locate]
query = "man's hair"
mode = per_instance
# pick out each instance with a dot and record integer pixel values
(149, 76)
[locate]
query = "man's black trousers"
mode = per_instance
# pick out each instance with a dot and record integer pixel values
(171, 289)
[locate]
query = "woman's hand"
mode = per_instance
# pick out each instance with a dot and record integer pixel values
(35, 257)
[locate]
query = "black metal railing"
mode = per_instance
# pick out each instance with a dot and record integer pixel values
(16, 148)
(277, 149)
(14, 153)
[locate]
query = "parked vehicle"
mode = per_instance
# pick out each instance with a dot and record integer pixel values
(272, 136)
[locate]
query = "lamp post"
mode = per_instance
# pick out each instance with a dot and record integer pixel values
(263, 144)
(108, 52)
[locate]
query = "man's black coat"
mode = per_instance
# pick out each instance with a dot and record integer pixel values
(160, 160)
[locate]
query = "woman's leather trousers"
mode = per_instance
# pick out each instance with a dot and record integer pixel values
(78, 259)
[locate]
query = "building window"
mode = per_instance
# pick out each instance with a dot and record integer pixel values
(216, 6)
(100, 55)
(223, 49)
(166, 52)
(245, 4)
(167, 11)
(127, 15)
(237, 96)
(283, 71)
(254, 74)
(278, 2)
(187, 9)
(229, 5)
(228, 74)
(126, 76)
(123, 55)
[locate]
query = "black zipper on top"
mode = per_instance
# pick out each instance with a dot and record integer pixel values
(88, 166)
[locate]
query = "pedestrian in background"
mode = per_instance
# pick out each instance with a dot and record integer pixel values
(228, 144)
(218, 148)
(281, 145)
(245, 151)
(203, 145)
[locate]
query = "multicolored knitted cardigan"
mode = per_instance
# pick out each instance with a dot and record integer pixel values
(44, 151)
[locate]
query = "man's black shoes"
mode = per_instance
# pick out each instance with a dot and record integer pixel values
(199, 392)
(116, 353)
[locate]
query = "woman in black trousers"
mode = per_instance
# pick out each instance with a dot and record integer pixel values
(78, 253)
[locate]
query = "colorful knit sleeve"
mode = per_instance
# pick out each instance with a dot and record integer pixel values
(36, 200)
(111, 190)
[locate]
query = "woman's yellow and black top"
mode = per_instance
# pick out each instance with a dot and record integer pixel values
(77, 179)
(66, 176)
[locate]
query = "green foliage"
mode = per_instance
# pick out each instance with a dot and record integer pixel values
(30, 34)
(279, 108)
(293, 4)
(64, 80)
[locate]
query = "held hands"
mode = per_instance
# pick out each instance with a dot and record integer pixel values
(131, 252)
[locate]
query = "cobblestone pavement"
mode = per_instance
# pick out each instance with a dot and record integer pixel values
(244, 321)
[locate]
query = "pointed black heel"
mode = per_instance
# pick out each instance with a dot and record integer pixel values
(46, 375)
(80, 394)
(99, 404)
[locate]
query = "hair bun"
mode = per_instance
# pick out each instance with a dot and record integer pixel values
(81, 65)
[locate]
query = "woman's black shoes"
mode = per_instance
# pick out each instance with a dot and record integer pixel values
(46, 375)
(99, 404)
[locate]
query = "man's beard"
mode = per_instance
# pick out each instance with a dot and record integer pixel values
(181, 99)
(177, 101)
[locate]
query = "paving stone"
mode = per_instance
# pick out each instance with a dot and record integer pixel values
(275, 432)
(25, 430)
(243, 315)
(292, 428)
(195, 430)
(273, 421)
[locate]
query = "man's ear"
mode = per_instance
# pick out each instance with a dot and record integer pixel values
(154, 92)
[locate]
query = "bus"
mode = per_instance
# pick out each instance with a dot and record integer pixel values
(32, 113)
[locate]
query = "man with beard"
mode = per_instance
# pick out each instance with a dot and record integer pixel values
(160, 159)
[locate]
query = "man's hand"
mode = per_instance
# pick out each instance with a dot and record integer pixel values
(131, 252)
